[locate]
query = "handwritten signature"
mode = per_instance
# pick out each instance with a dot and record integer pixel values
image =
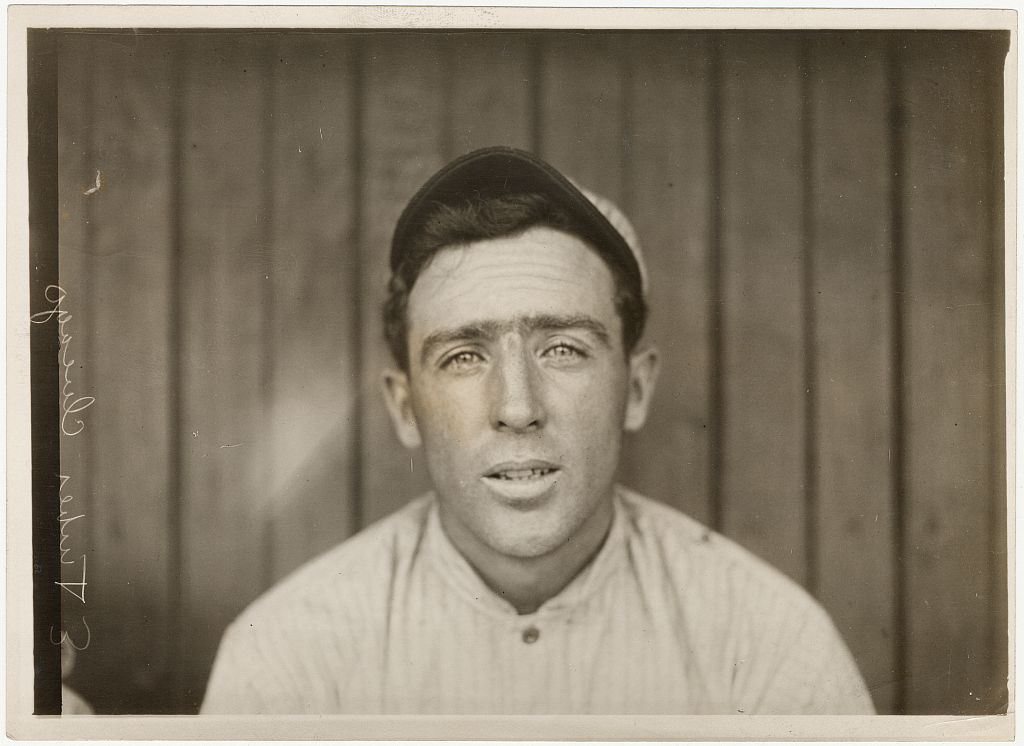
(77, 588)
(71, 424)
(70, 403)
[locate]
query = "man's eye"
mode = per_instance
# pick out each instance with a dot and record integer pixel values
(563, 351)
(462, 359)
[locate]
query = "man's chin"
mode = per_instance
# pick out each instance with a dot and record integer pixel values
(526, 546)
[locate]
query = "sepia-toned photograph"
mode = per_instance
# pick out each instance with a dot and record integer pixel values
(510, 370)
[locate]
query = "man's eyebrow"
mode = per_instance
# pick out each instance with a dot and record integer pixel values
(548, 322)
(490, 329)
(473, 330)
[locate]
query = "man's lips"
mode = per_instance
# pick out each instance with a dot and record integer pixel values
(522, 485)
(519, 471)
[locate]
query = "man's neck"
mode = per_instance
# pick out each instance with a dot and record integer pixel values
(527, 582)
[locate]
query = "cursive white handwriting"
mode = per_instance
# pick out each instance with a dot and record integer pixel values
(70, 403)
(64, 523)
(65, 637)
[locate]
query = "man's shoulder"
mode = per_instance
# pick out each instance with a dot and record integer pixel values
(784, 654)
(696, 554)
(355, 570)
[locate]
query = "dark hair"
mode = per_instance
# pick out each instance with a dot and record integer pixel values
(479, 219)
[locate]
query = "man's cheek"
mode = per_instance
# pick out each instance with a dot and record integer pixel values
(445, 419)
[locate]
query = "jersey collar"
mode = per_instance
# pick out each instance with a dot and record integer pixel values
(455, 570)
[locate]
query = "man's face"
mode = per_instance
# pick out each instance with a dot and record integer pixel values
(518, 389)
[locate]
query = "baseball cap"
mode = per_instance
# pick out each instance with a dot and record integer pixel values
(498, 170)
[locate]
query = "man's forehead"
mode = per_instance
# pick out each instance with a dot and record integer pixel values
(541, 265)
(540, 271)
(538, 244)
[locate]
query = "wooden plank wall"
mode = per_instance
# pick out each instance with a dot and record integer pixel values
(947, 276)
(849, 284)
(821, 215)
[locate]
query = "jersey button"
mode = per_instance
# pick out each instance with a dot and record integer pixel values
(531, 635)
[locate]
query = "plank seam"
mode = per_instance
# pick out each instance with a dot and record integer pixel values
(178, 61)
(898, 474)
(536, 72)
(625, 64)
(447, 133)
(357, 60)
(716, 411)
(268, 256)
(810, 346)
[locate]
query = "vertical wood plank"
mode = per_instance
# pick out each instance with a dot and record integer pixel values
(403, 146)
(668, 169)
(133, 258)
(999, 618)
(581, 110)
(225, 267)
(850, 287)
(127, 269)
(75, 81)
(76, 175)
(762, 480)
(948, 400)
(490, 85)
(314, 285)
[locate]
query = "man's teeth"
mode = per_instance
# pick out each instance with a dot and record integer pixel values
(522, 473)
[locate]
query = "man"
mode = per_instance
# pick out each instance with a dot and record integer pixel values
(527, 581)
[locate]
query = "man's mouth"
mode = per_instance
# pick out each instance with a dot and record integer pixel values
(518, 475)
(522, 483)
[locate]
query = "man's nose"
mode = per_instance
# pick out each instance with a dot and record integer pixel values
(517, 402)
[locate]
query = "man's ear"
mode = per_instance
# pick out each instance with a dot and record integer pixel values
(643, 374)
(398, 398)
